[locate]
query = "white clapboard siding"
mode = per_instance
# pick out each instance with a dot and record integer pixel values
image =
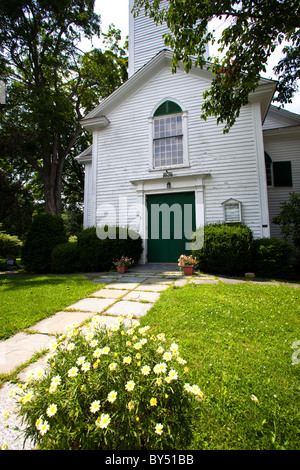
(282, 146)
(88, 195)
(231, 159)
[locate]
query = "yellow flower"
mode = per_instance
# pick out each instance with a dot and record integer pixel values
(159, 428)
(44, 427)
(86, 366)
(153, 402)
(130, 385)
(95, 406)
(137, 418)
(112, 396)
(97, 352)
(127, 360)
(130, 406)
(51, 410)
(103, 421)
(145, 370)
(27, 397)
(73, 372)
(167, 356)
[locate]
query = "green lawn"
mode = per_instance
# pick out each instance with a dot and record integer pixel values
(237, 341)
(236, 338)
(27, 299)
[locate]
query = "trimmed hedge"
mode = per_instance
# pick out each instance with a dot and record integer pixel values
(272, 258)
(45, 233)
(226, 249)
(65, 258)
(90, 253)
(97, 255)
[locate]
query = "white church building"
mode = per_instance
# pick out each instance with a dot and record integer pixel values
(157, 167)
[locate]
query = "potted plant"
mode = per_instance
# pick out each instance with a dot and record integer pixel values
(187, 262)
(122, 264)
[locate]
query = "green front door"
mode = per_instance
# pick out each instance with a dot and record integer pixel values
(171, 219)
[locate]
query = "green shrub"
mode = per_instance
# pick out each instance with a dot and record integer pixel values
(226, 249)
(110, 389)
(65, 258)
(9, 245)
(45, 233)
(97, 255)
(272, 258)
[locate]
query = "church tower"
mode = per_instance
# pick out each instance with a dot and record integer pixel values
(145, 38)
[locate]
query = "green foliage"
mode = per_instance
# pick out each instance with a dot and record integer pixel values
(110, 388)
(65, 258)
(43, 67)
(272, 258)
(46, 232)
(250, 36)
(226, 249)
(289, 219)
(9, 245)
(97, 255)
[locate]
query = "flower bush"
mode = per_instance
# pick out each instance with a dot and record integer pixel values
(117, 387)
(185, 260)
(123, 261)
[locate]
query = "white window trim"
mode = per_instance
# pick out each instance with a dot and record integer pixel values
(185, 163)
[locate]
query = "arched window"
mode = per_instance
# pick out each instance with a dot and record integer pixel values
(168, 135)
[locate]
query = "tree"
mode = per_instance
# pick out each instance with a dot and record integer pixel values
(254, 29)
(289, 219)
(51, 84)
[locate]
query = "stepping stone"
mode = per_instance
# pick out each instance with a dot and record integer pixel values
(126, 307)
(231, 281)
(157, 281)
(152, 287)
(19, 349)
(140, 295)
(109, 293)
(123, 285)
(204, 281)
(91, 305)
(57, 323)
(181, 282)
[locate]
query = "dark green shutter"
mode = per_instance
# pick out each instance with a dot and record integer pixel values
(282, 173)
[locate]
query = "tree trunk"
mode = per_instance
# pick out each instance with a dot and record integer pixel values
(53, 185)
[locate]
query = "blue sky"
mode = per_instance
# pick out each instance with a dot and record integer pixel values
(117, 12)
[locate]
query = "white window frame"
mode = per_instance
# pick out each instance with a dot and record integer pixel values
(185, 162)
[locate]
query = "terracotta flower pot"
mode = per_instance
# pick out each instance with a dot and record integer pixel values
(188, 270)
(122, 269)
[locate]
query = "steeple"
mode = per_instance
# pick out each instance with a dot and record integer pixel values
(145, 38)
